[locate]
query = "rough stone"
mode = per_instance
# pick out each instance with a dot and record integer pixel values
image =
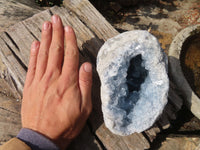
(134, 82)
(192, 101)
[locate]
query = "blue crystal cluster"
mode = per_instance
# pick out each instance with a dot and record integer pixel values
(134, 82)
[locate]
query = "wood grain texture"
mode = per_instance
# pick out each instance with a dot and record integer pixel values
(91, 17)
(85, 141)
(92, 31)
(12, 11)
(10, 122)
(13, 64)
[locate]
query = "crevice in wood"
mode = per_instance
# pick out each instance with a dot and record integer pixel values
(159, 126)
(14, 90)
(40, 30)
(195, 133)
(17, 58)
(30, 31)
(50, 12)
(9, 111)
(170, 133)
(15, 85)
(95, 136)
(11, 41)
(164, 122)
(6, 95)
(21, 81)
(146, 137)
(83, 22)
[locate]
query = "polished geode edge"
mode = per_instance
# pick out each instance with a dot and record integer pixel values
(145, 111)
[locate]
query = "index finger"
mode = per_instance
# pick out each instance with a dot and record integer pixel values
(71, 58)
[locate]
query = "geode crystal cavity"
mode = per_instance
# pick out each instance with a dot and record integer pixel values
(134, 81)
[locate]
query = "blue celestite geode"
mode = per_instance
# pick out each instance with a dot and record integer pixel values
(134, 81)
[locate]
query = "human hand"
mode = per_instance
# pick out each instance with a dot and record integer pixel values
(57, 94)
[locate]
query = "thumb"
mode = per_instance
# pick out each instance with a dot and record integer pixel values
(85, 84)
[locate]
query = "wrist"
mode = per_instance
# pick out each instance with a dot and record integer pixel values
(36, 140)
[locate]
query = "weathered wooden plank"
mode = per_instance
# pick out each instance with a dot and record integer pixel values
(92, 18)
(6, 81)
(22, 38)
(136, 141)
(9, 113)
(174, 142)
(34, 24)
(86, 37)
(152, 132)
(15, 68)
(12, 45)
(12, 11)
(85, 141)
(111, 141)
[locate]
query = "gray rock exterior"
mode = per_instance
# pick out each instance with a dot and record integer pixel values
(192, 101)
(134, 81)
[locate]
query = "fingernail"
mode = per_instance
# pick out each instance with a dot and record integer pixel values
(46, 26)
(35, 45)
(55, 19)
(88, 67)
(68, 29)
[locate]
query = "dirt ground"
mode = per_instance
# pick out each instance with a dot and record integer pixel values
(164, 19)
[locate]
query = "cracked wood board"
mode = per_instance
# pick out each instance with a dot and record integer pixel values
(12, 11)
(10, 119)
(91, 34)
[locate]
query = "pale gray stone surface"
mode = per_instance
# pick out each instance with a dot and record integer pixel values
(175, 70)
(132, 103)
